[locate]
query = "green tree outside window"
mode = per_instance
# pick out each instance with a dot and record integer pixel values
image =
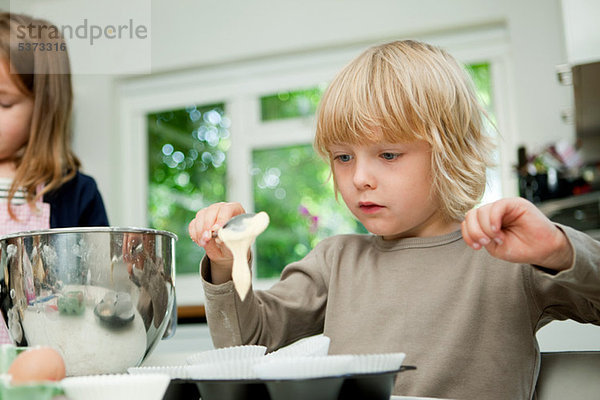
(292, 185)
(187, 160)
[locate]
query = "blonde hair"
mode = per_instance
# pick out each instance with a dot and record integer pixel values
(47, 158)
(412, 91)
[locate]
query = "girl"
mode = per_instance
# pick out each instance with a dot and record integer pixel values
(40, 183)
(402, 130)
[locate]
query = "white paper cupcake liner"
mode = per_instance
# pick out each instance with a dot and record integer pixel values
(303, 367)
(310, 346)
(174, 372)
(116, 387)
(225, 370)
(374, 363)
(227, 354)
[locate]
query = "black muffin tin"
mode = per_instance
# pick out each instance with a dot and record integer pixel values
(374, 386)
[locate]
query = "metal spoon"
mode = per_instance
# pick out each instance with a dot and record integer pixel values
(235, 224)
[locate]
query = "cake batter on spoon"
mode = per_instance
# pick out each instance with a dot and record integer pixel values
(238, 235)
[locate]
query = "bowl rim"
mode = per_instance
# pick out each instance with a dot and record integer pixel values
(88, 229)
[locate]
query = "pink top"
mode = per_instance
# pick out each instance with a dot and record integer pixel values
(28, 219)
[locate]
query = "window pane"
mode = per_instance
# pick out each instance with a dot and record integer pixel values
(293, 104)
(292, 184)
(187, 166)
(482, 78)
(483, 84)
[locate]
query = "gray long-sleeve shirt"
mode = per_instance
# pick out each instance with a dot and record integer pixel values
(465, 319)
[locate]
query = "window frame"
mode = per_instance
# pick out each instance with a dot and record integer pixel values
(241, 84)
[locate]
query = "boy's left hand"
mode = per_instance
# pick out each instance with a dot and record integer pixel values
(515, 230)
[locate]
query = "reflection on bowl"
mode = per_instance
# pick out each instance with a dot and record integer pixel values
(102, 297)
(80, 336)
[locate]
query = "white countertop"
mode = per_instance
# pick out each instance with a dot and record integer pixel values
(188, 339)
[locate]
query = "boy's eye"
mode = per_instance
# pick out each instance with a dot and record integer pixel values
(390, 156)
(343, 157)
(6, 105)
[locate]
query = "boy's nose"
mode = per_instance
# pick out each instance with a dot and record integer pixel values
(364, 176)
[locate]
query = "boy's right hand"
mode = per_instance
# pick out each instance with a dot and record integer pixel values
(207, 221)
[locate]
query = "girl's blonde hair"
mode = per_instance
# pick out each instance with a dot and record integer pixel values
(47, 158)
(412, 91)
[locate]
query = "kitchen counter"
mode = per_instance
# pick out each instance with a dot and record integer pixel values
(188, 339)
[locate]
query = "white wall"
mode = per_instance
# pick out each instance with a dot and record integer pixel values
(582, 30)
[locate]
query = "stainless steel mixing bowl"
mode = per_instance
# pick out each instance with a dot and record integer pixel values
(102, 296)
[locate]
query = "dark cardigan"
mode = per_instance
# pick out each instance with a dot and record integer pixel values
(77, 203)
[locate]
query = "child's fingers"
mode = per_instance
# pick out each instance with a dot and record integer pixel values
(485, 225)
(192, 231)
(195, 230)
(472, 227)
(210, 219)
(465, 233)
(225, 212)
(498, 212)
(200, 225)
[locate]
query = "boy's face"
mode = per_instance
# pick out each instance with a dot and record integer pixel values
(387, 186)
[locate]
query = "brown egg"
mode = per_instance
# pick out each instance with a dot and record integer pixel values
(37, 364)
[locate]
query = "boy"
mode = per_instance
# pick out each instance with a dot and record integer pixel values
(402, 129)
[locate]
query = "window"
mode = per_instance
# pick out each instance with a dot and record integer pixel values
(291, 104)
(186, 171)
(482, 78)
(292, 184)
